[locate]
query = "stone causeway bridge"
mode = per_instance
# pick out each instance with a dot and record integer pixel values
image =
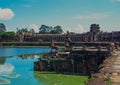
(99, 60)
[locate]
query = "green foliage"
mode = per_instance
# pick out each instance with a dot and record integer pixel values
(72, 32)
(22, 30)
(44, 29)
(7, 35)
(57, 30)
(25, 30)
(32, 30)
(2, 28)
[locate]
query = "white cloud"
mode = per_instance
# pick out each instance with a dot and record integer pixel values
(35, 27)
(78, 29)
(81, 28)
(6, 68)
(6, 14)
(93, 16)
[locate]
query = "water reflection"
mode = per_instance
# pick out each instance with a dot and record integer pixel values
(4, 81)
(16, 65)
(12, 75)
(32, 56)
(2, 60)
(9, 68)
(6, 68)
(7, 71)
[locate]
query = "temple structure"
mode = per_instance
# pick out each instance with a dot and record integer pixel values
(93, 35)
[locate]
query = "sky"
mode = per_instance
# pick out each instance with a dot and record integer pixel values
(72, 15)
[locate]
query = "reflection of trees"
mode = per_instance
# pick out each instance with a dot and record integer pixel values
(25, 56)
(2, 60)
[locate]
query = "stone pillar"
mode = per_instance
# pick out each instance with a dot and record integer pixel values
(84, 47)
(99, 48)
(109, 49)
(21, 36)
(85, 38)
(72, 62)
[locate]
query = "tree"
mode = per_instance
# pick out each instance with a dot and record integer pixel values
(58, 29)
(32, 30)
(7, 36)
(22, 30)
(2, 28)
(44, 29)
(72, 32)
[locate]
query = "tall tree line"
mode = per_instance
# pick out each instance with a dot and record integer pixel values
(44, 29)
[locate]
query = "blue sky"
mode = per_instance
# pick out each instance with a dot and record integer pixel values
(73, 15)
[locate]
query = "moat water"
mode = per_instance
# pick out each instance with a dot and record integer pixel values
(16, 68)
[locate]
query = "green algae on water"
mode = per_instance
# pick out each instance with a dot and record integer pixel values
(51, 78)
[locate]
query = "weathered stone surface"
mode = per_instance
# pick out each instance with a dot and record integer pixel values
(114, 74)
(110, 69)
(97, 82)
(116, 84)
(115, 69)
(115, 79)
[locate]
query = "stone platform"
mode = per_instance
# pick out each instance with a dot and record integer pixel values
(115, 74)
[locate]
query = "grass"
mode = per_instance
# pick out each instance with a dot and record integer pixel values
(51, 78)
